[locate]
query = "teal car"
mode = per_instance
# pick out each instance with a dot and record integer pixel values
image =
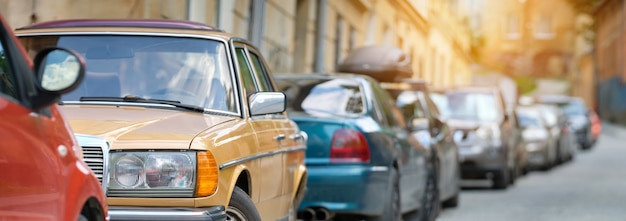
(364, 160)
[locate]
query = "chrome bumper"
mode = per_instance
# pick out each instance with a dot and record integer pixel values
(123, 213)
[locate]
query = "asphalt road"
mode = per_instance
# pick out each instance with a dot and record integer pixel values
(591, 187)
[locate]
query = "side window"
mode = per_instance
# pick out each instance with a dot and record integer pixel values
(261, 72)
(247, 79)
(7, 77)
(388, 107)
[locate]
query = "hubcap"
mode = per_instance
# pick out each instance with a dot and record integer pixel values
(234, 214)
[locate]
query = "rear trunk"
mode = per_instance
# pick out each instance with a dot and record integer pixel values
(331, 142)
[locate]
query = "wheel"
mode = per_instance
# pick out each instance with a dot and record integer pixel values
(392, 210)
(430, 201)
(501, 179)
(82, 218)
(241, 207)
(513, 174)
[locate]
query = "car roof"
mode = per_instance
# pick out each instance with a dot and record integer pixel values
(123, 25)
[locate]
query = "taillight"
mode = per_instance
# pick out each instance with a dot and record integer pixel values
(349, 146)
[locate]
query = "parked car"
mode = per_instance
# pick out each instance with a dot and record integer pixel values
(560, 131)
(181, 121)
(487, 137)
(539, 143)
(579, 117)
(43, 175)
(362, 161)
(413, 98)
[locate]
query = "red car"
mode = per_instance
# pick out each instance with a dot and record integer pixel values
(43, 176)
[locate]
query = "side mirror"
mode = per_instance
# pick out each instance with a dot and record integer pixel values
(419, 124)
(59, 71)
(261, 103)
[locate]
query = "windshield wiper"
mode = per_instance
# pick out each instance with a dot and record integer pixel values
(130, 98)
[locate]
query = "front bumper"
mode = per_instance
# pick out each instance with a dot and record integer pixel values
(537, 154)
(124, 213)
(479, 160)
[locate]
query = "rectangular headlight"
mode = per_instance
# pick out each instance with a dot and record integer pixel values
(152, 174)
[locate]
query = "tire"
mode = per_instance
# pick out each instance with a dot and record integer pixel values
(501, 179)
(241, 207)
(430, 201)
(392, 210)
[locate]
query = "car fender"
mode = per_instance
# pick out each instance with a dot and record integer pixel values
(81, 186)
(299, 183)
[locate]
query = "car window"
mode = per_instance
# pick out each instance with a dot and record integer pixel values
(261, 72)
(411, 105)
(7, 77)
(318, 97)
(388, 107)
(247, 77)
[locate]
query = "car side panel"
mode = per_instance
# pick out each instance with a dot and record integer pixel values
(29, 185)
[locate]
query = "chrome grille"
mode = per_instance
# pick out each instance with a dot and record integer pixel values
(96, 156)
(93, 156)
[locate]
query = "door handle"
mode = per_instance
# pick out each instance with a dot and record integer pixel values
(279, 137)
(296, 136)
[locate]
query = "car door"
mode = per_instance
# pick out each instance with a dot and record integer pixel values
(289, 138)
(268, 137)
(447, 150)
(29, 181)
(412, 163)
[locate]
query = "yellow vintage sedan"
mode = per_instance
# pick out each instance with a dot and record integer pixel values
(179, 121)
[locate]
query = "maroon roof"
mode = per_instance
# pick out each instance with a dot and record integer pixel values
(143, 23)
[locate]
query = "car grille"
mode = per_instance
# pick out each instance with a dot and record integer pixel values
(93, 156)
(96, 156)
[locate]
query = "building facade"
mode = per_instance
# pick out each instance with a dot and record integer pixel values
(525, 37)
(609, 52)
(299, 36)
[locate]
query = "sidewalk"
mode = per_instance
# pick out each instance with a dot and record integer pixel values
(613, 130)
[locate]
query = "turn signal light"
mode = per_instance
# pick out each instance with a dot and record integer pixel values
(206, 183)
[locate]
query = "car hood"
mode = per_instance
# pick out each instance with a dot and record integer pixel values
(139, 127)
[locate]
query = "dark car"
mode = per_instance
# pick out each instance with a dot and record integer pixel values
(362, 161)
(485, 132)
(560, 131)
(413, 98)
(43, 175)
(579, 117)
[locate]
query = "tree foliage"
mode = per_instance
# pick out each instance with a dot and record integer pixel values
(584, 6)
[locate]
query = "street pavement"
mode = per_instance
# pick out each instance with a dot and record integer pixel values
(591, 187)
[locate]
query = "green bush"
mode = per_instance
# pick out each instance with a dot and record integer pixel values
(525, 84)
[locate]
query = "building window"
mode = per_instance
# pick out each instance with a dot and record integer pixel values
(543, 27)
(339, 40)
(352, 39)
(512, 27)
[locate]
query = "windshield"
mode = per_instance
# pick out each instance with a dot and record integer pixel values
(187, 70)
(574, 109)
(473, 106)
(330, 96)
(529, 118)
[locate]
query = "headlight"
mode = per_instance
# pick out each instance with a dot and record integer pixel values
(160, 174)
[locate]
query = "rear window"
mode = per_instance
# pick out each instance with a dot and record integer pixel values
(475, 106)
(323, 96)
